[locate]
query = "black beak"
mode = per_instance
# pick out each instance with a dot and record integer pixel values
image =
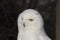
(24, 24)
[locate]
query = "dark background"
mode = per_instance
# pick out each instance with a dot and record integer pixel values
(58, 20)
(10, 9)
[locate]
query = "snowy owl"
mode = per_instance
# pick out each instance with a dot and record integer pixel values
(30, 26)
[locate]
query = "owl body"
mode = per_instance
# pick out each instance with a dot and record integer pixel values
(30, 34)
(30, 26)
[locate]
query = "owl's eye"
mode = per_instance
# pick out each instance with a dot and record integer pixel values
(30, 19)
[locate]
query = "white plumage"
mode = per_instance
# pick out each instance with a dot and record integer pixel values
(30, 26)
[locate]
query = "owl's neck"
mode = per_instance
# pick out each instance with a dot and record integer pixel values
(33, 28)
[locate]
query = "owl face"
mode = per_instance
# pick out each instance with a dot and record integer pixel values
(31, 18)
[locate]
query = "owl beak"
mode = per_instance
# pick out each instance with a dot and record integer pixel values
(24, 24)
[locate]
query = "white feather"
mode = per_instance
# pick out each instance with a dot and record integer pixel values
(30, 26)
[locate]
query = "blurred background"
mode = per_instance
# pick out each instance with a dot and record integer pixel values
(58, 20)
(10, 9)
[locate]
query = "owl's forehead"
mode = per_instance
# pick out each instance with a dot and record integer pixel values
(30, 13)
(29, 16)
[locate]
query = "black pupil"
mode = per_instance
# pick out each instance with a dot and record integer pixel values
(30, 19)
